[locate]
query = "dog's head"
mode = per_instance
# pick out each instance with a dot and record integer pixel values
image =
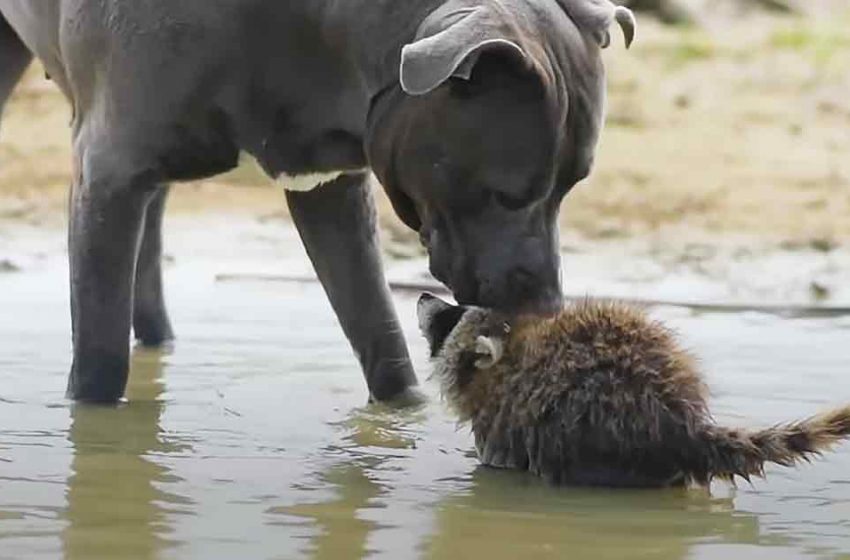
(495, 118)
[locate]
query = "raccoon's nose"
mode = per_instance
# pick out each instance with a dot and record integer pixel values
(428, 307)
(425, 298)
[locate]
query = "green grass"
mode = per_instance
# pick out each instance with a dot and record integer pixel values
(694, 48)
(691, 47)
(822, 43)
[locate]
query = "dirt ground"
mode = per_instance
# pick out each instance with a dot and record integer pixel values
(737, 127)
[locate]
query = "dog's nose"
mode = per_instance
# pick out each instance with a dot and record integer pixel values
(521, 290)
(464, 284)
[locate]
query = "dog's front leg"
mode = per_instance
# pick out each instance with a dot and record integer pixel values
(337, 223)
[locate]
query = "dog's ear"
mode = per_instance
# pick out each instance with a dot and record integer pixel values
(596, 17)
(449, 43)
(437, 319)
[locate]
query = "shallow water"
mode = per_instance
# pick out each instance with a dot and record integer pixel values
(251, 439)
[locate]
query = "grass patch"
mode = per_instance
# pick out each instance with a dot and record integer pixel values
(822, 43)
(687, 46)
(692, 48)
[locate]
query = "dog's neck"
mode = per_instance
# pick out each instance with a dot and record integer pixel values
(374, 43)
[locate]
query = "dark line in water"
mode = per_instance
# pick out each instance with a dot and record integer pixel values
(413, 286)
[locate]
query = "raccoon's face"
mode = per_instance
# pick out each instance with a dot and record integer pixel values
(463, 339)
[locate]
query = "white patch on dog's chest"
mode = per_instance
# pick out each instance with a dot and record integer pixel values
(309, 181)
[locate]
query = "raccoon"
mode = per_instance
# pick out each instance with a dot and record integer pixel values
(598, 395)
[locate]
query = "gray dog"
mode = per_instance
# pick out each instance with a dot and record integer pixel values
(477, 116)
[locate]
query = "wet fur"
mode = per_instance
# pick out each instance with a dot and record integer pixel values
(602, 395)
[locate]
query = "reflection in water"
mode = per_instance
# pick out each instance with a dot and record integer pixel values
(341, 533)
(512, 515)
(371, 436)
(499, 514)
(115, 508)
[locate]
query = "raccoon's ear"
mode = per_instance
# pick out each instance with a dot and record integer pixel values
(489, 351)
(437, 319)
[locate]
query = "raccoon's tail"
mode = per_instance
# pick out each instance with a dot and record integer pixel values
(726, 453)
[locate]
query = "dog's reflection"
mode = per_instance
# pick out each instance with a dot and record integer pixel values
(370, 437)
(341, 533)
(115, 506)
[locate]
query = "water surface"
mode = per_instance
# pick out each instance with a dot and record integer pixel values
(251, 440)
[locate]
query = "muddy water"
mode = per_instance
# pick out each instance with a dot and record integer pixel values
(250, 440)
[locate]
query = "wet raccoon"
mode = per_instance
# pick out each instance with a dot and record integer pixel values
(598, 395)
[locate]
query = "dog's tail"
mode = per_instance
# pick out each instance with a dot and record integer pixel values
(725, 453)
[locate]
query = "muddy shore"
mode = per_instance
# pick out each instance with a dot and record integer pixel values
(725, 143)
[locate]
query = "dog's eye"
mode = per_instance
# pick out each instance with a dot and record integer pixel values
(510, 201)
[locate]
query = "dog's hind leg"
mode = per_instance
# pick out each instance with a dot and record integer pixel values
(151, 325)
(112, 189)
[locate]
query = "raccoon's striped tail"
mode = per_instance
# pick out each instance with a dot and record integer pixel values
(726, 453)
